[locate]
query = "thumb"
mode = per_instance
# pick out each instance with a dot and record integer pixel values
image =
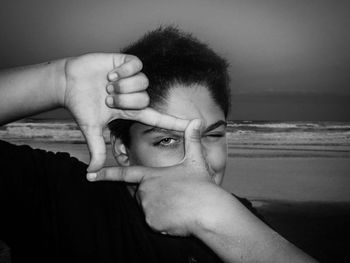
(193, 146)
(97, 148)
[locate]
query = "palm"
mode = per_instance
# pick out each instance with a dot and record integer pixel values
(85, 97)
(86, 93)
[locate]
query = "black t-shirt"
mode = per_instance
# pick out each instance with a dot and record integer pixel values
(51, 213)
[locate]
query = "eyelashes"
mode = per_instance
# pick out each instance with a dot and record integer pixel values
(173, 142)
(216, 135)
(168, 142)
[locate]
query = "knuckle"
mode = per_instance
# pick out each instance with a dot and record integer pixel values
(132, 84)
(123, 58)
(119, 59)
(129, 57)
(130, 114)
(146, 99)
(195, 136)
(145, 187)
(143, 202)
(123, 71)
(141, 189)
(101, 175)
(144, 80)
(123, 174)
(135, 62)
(149, 221)
(138, 63)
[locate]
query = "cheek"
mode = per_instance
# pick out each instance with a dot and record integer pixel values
(147, 155)
(216, 156)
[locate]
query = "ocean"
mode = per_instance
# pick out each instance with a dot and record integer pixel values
(299, 161)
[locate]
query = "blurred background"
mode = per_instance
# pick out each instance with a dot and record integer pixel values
(290, 60)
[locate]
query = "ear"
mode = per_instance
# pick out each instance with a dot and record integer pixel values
(119, 151)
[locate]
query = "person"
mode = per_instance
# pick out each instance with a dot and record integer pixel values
(166, 204)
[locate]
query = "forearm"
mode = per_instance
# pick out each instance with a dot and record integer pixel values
(29, 90)
(239, 236)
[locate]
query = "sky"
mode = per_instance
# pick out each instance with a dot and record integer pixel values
(289, 60)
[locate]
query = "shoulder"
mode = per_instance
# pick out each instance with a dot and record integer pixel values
(8, 150)
(20, 160)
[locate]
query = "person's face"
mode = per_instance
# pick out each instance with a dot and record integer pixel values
(155, 147)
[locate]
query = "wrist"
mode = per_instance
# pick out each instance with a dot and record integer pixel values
(60, 81)
(212, 217)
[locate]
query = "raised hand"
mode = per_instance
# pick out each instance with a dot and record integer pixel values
(95, 99)
(177, 199)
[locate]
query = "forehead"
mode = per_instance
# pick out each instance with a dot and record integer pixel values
(186, 102)
(191, 102)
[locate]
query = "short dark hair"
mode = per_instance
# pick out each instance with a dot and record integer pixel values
(171, 56)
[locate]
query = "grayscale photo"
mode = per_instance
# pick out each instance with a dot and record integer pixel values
(174, 131)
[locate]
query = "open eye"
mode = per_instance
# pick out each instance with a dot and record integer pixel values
(167, 142)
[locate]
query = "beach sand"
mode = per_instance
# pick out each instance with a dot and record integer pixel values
(297, 176)
(262, 177)
(306, 200)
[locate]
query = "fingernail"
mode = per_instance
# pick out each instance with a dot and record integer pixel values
(91, 176)
(110, 88)
(109, 101)
(113, 76)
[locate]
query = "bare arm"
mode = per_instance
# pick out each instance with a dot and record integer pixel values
(25, 91)
(96, 88)
(184, 200)
(236, 235)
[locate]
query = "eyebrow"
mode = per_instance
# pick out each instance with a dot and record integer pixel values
(162, 130)
(215, 125)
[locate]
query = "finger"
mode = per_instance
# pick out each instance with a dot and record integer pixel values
(154, 118)
(132, 101)
(97, 148)
(193, 146)
(130, 174)
(130, 66)
(136, 83)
